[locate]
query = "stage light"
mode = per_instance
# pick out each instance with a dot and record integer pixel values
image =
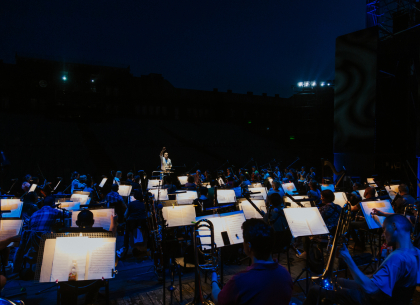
(313, 84)
(292, 137)
(93, 80)
(306, 84)
(64, 78)
(249, 122)
(322, 84)
(300, 84)
(328, 84)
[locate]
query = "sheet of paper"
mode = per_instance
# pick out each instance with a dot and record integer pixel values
(183, 179)
(67, 250)
(250, 211)
(152, 183)
(83, 199)
(340, 198)
(368, 206)
(226, 196)
(101, 260)
(70, 206)
(289, 188)
(328, 187)
(32, 188)
(103, 182)
(9, 228)
(124, 190)
(163, 194)
(47, 260)
(371, 182)
(14, 205)
(179, 215)
(306, 204)
(233, 223)
(262, 192)
(392, 191)
(218, 226)
(304, 222)
(186, 198)
(255, 185)
(102, 218)
(362, 192)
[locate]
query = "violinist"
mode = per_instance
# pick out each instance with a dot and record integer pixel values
(277, 173)
(255, 176)
(302, 175)
(76, 185)
(28, 180)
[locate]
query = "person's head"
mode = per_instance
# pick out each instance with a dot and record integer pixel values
(75, 175)
(253, 169)
(28, 178)
(356, 186)
(286, 170)
(83, 178)
(276, 168)
(115, 187)
(403, 189)
(327, 196)
(258, 239)
(138, 195)
(275, 185)
(130, 176)
(118, 174)
(395, 227)
(26, 186)
(31, 197)
(303, 168)
(136, 178)
(204, 191)
(190, 179)
(312, 169)
(198, 172)
(369, 192)
(49, 201)
(85, 219)
(275, 200)
(207, 173)
(313, 185)
(166, 155)
(289, 176)
(167, 180)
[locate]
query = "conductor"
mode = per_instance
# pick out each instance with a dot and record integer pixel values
(165, 162)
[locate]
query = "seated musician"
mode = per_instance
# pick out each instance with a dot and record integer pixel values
(288, 178)
(265, 281)
(302, 174)
(198, 177)
(117, 178)
(330, 213)
(244, 180)
(203, 202)
(167, 184)
(190, 185)
(117, 202)
(314, 192)
(400, 203)
(277, 173)
(266, 174)
(355, 187)
(207, 176)
(393, 283)
(276, 189)
(276, 217)
(255, 175)
(76, 185)
(26, 186)
(29, 205)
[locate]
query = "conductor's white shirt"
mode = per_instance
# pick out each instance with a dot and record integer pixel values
(165, 163)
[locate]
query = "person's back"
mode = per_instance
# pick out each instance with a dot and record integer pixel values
(44, 219)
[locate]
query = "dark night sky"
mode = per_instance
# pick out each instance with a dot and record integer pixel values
(259, 46)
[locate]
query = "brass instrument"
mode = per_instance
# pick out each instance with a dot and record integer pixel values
(211, 258)
(326, 280)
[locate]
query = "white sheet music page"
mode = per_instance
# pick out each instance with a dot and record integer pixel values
(340, 199)
(305, 222)
(103, 182)
(102, 218)
(124, 190)
(179, 215)
(261, 190)
(367, 208)
(79, 198)
(219, 227)
(101, 260)
(153, 183)
(186, 198)
(163, 194)
(392, 191)
(10, 228)
(70, 206)
(250, 211)
(293, 204)
(183, 179)
(226, 196)
(13, 205)
(67, 250)
(33, 188)
(289, 188)
(233, 224)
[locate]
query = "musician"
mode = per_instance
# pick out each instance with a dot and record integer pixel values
(255, 176)
(198, 177)
(276, 217)
(265, 281)
(266, 174)
(289, 178)
(165, 162)
(302, 174)
(207, 176)
(393, 283)
(314, 192)
(237, 188)
(5, 251)
(311, 174)
(356, 186)
(117, 178)
(276, 189)
(190, 185)
(29, 205)
(368, 194)
(244, 180)
(203, 202)
(26, 186)
(399, 204)
(167, 184)
(76, 185)
(117, 202)
(277, 173)
(28, 180)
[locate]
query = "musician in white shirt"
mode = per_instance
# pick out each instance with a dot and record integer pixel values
(165, 162)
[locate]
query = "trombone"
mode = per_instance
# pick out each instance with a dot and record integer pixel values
(211, 258)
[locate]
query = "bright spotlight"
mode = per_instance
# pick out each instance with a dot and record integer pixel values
(328, 84)
(306, 84)
(93, 80)
(300, 84)
(313, 84)
(322, 84)
(64, 78)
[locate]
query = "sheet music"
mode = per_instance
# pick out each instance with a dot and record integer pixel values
(101, 258)
(304, 222)
(103, 182)
(225, 196)
(163, 194)
(152, 183)
(340, 198)
(218, 226)
(82, 198)
(9, 228)
(186, 198)
(233, 224)
(14, 205)
(68, 249)
(328, 187)
(262, 193)
(70, 206)
(183, 179)
(249, 210)
(33, 188)
(368, 206)
(102, 218)
(362, 192)
(371, 182)
(253, 185)
(179, 215)
(392, 191)
(289, 188)
(306, 204)
(124, 190)
(221, 182)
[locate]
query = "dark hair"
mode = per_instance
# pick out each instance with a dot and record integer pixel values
(74, 175)
(328, 195)
(275, 199)
(115, 187)
(49, 201)
(31, 197)
(190, 179)
(261, 237)
(371, 191)
(85, 219)
(204, 191)
(167, 180)
(138, 195)
(136, 178)
(403, 222)
(28, 177)
(313, 184)
(130, 175)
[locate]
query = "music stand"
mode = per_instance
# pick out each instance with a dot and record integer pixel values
(186, 198)
(330, 187)
(11, 208)
(47, 255)
(102, 218)
(289, 188)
